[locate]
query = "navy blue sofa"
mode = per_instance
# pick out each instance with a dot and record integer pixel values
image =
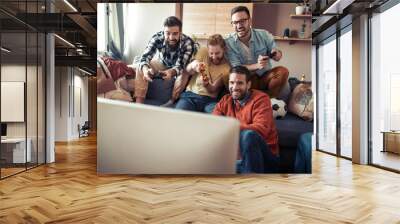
(289, 131)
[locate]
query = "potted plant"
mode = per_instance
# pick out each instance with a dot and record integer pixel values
(303, 30)
(307, 8)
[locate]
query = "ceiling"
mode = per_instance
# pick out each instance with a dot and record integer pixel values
(76, 22)
(72, 20)
(325, 24)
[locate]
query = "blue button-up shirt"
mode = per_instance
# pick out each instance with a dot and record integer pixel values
(261, 42)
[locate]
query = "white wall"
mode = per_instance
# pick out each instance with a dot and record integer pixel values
(142, 21)
(62, 81)
(296, 57)
(69, 82)
(275, 18)
(12, 73)
(33, 127)
(79, 117)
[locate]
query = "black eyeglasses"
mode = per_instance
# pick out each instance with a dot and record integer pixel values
(241, 22)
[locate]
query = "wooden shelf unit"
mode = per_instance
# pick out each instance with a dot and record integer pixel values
(277, 38)
(305, 16)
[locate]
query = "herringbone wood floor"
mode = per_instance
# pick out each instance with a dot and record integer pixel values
(70, 191)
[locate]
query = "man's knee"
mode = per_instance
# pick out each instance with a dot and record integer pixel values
(209, 108)
(249, 136)
(282, 72)
(185, 104)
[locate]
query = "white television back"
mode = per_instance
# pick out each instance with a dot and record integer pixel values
(12, 101)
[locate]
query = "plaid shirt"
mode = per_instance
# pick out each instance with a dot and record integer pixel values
(177, 58)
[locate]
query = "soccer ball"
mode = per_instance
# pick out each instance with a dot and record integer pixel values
(279, 108)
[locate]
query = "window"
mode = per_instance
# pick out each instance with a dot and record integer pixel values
(346, 93)
(385, 85)
(101, 27)
(22, 77)
(327, 96)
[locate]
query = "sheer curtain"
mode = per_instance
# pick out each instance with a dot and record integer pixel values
(327, 96)
(131, 26)
(116, 30)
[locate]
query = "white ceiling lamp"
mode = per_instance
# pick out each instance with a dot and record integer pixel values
(337, 7)
(64, 40)
(70, 5)
(5, 50)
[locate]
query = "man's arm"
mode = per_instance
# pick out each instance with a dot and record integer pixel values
(234, 59)
(184, 58)
(261, 63)
(262, 60)
(262, 117)
(219, 108)
(148, 53)
(271, 44)
(232, 55)
(215, 86)
(278, 54)
(191, 69)
(201, 55)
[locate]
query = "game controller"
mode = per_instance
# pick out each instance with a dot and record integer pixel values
(271, 55)
(158, 76)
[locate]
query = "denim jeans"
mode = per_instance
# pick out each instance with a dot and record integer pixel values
(194, 102)
(302, 163)
(256, 154)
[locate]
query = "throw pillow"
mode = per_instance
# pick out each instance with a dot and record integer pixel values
(301, 102)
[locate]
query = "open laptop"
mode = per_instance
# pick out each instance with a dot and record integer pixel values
(142, 139)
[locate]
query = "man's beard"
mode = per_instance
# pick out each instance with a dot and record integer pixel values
(238, 95)
(172, 46)
(246, 32)
(217, 61)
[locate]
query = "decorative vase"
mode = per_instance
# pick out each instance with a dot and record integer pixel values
(286, 33)
(300, 10)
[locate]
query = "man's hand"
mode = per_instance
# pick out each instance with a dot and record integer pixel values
(148, 74)
(206, 80)
(199, 66)
(278, 54)
(202, 69)
(168, 74)
(262, 61)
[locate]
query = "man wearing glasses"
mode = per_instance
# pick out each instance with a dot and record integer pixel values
(253, 48)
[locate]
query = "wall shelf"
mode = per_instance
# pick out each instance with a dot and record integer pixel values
(305, 16)
(291, 39)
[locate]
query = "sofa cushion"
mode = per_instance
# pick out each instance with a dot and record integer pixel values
(290, 128)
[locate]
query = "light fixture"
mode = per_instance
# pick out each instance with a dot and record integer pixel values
(5, 50)
(86, 72)
(338, 6)
(80, 51)
(70, 5)
(64, 40)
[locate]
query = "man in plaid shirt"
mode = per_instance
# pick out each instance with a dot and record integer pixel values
(175, 51)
